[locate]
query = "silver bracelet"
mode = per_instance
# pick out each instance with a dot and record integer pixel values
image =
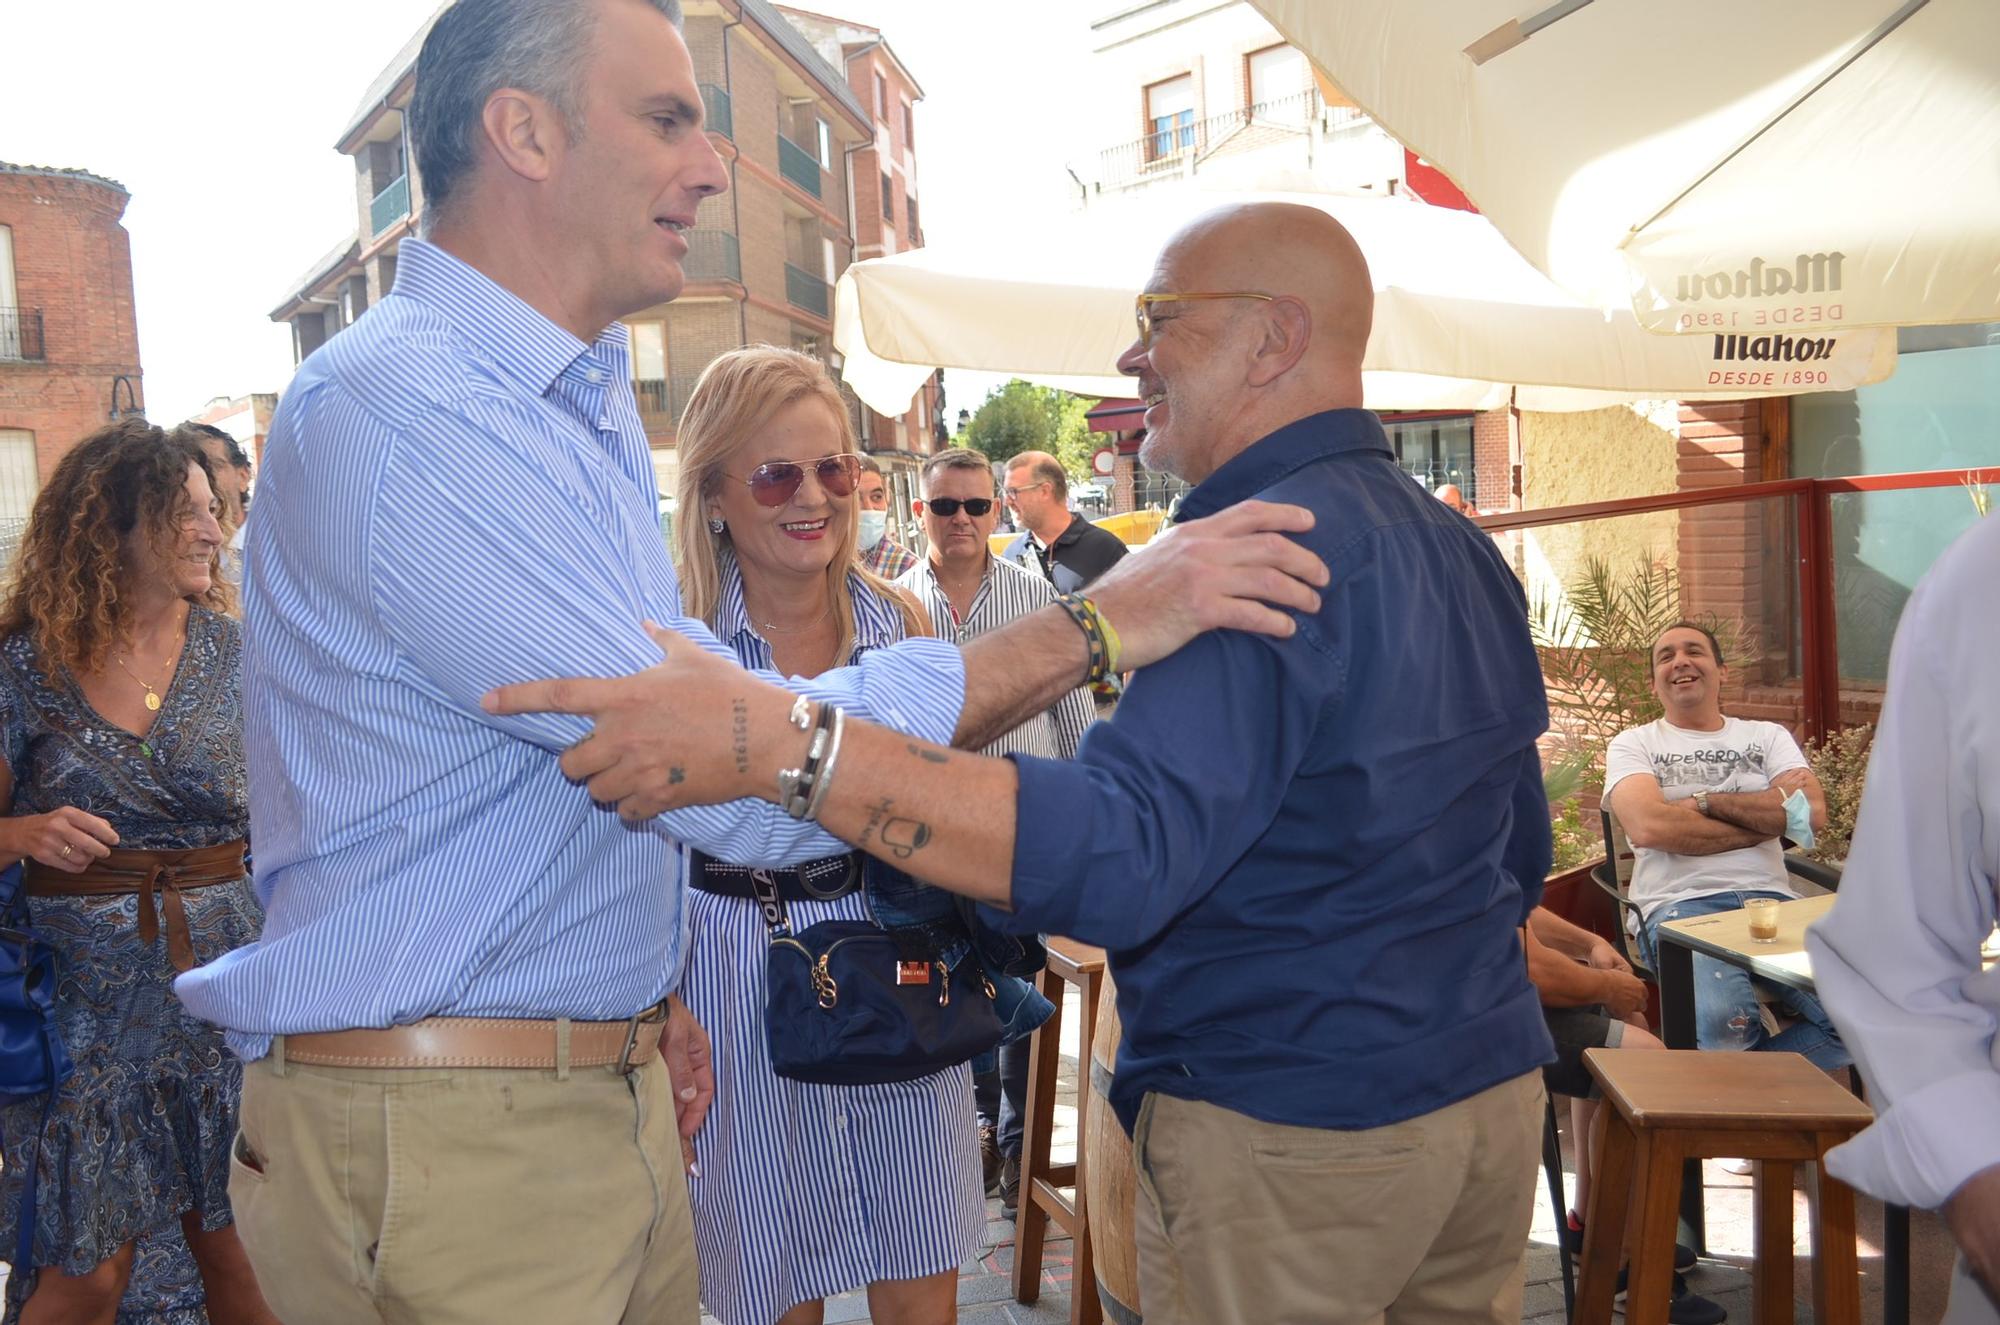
(823, 777)
(795, 785)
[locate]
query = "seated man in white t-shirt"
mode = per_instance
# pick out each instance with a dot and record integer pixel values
(1704, 799)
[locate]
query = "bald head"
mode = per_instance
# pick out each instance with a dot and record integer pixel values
(1283, 248)
(1287, 343)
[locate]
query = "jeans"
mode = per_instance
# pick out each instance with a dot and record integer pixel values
(1725, 996)
(1000, 1094)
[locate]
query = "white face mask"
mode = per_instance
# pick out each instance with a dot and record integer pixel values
(873, 525)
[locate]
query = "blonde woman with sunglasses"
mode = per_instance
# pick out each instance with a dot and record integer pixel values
(801, 1191)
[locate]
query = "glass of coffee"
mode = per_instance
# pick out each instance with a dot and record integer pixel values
(1763, 915)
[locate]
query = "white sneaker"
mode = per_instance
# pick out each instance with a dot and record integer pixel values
(1742, 1168)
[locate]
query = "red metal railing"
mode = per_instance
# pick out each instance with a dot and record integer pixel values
(1811, 501)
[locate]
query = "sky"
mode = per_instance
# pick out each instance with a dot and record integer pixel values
(220, 117)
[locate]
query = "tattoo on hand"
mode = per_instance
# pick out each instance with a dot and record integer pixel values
(928, 756)
(739, 729)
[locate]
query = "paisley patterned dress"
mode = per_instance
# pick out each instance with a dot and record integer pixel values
(140, 1134)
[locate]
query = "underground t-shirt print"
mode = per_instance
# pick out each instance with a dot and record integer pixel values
(1744, 756)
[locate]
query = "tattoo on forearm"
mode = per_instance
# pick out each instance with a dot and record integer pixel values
(739, 733)
(677, 775)
(905, 837)
(876, 814)
(928, 756)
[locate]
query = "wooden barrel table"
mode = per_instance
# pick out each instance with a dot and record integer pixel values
(1109, 1183)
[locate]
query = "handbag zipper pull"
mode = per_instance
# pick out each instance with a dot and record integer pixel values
(944, 985)
(824, 986)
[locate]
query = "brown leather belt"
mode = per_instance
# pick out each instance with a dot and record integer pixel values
(486, 1042)
(159, 877)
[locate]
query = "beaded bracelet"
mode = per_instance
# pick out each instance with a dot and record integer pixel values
(1097, 637)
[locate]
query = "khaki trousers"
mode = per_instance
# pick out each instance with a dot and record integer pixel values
(1241, 1222)
(464, 1197)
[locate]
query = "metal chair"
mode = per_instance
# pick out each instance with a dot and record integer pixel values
(1552, 1165)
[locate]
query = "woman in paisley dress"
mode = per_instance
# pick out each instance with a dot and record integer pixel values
(801, 1191)
(125, 791)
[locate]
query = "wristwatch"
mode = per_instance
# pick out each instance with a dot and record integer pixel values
(1701, 803)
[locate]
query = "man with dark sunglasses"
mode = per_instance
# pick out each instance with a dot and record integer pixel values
(968, 592)
(1311, 888)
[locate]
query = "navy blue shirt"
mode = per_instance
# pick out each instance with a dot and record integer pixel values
(1309, 858)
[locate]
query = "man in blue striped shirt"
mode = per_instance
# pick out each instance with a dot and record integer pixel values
(449, 1072)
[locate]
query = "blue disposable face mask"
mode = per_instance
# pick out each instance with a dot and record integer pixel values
(873, 525)
(1798, 819)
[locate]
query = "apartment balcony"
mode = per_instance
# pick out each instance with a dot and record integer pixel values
(1297, 128)
(662, 399)
(720, 119)
(391, 205)
(21, 335)
(713, 255)
(798, 165)
(807, 291)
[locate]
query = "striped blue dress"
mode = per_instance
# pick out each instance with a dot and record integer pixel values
(805, 1190)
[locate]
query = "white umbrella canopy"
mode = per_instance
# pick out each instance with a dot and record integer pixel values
(1736, 166)
(1461, 321)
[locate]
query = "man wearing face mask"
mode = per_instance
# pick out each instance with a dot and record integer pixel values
(879, 552)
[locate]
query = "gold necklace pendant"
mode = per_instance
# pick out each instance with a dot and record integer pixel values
(152, 695)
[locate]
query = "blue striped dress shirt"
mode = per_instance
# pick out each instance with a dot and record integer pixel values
(457, 494)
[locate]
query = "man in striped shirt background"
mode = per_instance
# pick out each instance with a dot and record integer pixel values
(969, 591)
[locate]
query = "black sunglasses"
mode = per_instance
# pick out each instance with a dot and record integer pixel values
(976, 507)
(776, 482)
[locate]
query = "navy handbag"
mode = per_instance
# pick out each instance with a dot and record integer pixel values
(32, 1060)
(848, 1003)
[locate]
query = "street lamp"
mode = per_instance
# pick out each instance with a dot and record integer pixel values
(132, 407)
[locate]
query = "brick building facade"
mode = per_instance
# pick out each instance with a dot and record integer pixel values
(69, 337)
(786, 112)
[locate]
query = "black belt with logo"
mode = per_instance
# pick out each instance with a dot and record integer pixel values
(815, 881)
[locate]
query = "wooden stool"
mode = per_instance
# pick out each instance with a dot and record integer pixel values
(1679, 1104)
(1041, 1182)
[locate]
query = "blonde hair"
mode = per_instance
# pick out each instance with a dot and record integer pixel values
(737, 395)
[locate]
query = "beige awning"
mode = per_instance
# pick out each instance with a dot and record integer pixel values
(1461, 321)
(1747, 167)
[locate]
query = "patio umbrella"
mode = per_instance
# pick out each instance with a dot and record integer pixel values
(1735, 166)
(1461, 321)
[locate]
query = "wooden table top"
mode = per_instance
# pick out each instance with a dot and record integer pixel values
(1726, 935)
